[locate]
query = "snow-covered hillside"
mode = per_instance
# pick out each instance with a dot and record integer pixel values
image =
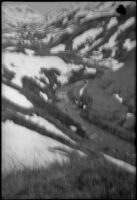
(45, 58)
(15, 15)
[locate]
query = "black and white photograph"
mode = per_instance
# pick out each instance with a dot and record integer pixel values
(68, 100)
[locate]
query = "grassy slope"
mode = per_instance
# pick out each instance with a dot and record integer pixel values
(106, 109)
(101, 140)
(82, 178)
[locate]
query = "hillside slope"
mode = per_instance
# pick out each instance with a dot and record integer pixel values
(68, 85)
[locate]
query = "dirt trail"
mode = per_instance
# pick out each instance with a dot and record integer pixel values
(99, 140)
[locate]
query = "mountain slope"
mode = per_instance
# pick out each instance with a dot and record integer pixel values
(46, 60)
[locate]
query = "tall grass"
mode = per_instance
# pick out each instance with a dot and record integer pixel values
(80, 178)
(112, 128)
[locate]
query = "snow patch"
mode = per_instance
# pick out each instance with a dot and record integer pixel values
(22, 147)
(14, 96)
(96, 42)
(46, 39)
(30, 66)
(113, 22)
(10, 35)
(112, 40)
(120, 99)
(65, 20)
(84, 107)
(40, 83)
(90, 70)
(91, 33)
(114, 49)
(10, 48)
(127, 24)
(97, 55)
(82, 89)
(44, 96)
(56, 49)
(29, 52)
(73, 128)
(47, 125)
(97, 14)
(88, 48)
(70, 29)
(111, 63)
(85, 49)
(129, 115)
(45, 78)
(54, 86)
(128, 167)
(81, 13)
(129, 45)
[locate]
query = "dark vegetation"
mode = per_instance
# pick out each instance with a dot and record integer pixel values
(9, 83)
(81, 178)
(120, 84)
(63, 39)
(112, 128)
(7, 74)
(52, 76)
(107, 114)
(79, 75)
(30, 84)
(103, 110)
(8, 43)
(7, 105)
